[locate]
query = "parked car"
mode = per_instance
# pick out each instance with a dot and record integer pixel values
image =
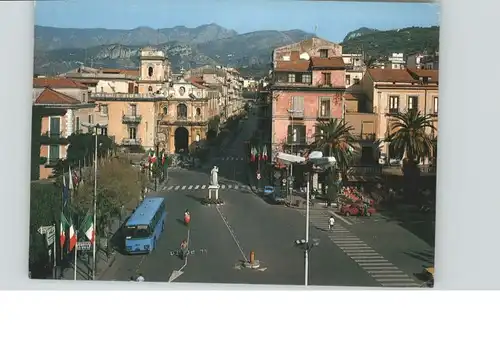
(356, 210)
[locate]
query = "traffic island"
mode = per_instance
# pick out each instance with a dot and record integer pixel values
(250, 263)
(212, 202)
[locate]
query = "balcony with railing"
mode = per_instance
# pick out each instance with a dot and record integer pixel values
(392, 110)
(324, 116)
(296, 114)
(53, 138)
(128, 118)
(131, 142)
(127, 96)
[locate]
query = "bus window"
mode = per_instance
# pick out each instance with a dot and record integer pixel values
(139, 232)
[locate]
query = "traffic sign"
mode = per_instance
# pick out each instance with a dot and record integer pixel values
(49, 231)
(84, 245)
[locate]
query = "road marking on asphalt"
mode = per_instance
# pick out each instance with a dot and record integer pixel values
(340, 217)
(232, 233)
(390, 275)
(175, 274)
(371, 260)
(401, 285)
(235, 187)
(140, 264)
(386, 270)
(371, 254)
(229, 186)
(357, 250)
(203, 186)
(170, 187)
(177, 187)
(353, 245)
(183, 187)
(408, 279)
(223, 186)
(196, 187)
(190, 187)
(363, 257)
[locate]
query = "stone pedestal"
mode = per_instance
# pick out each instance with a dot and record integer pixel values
(213, 188)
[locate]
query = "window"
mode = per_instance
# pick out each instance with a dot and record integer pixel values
(132, 133)
(435, 104)
(181, 111)
(77, 124)
(55, 127)
(136, 90)
(326, 78)
(104, 131)
(150, 89)
(306, 78)
(102, 89)
(150, 71)
(133, 109)
(291, 77)
(84, 97)
(296, 134)
(324, 107)
(198, 111)
(297, 106)
(90, 119)
(356, 80)
(323, 53)
(130, 87)
(165, 110)
(348, 79)
(53, 153)
(104, 109)
(412, 103)
(393, 104)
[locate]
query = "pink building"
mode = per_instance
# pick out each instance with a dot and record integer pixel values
(308, 87)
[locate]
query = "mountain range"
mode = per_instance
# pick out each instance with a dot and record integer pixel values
(59, 50)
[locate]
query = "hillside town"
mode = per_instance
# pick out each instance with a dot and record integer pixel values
(350, 108)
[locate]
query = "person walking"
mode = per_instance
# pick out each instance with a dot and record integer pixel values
(331, 222)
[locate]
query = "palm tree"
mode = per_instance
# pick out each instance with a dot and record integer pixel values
(409, 136)
(335, 139)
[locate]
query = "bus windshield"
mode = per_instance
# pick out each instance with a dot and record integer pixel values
(137, 232)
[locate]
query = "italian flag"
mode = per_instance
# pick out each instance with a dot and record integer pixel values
(88, 228)
(72, 237)
(252, 154)
(264, 154)
(64, 228)
(163, 157)
(153, 158)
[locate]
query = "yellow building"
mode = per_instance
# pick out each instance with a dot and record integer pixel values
(389, 91)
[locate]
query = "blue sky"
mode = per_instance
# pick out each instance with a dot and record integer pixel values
(333, 19)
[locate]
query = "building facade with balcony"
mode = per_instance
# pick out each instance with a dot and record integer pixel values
(184, 113)
(307, 87)
(106, 80)
(52, 123)
(389, 92)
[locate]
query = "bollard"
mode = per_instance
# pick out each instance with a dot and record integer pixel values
(252, 257)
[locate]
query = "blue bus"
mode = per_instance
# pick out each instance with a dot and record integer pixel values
(145, 226)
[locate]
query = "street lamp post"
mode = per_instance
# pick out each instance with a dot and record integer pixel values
(314, 158)
(95, 126)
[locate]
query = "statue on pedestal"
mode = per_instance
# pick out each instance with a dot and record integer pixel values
(214, 173)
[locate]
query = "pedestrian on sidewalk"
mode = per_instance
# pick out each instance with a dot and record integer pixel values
(140, 278)
(331, 222)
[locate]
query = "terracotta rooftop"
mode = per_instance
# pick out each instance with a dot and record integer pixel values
(51, 97)
(432, 74)
(57, 83)
(332, 62)
(292, 66)
(391, 75)
(197, 82)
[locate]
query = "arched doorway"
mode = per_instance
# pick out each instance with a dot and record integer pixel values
(182, 111)
(181, 139)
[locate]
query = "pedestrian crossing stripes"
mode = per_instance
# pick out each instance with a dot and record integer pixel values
(379, 268)
(232, 158)
(193, 187)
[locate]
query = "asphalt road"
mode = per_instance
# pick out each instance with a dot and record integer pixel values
(220, 238)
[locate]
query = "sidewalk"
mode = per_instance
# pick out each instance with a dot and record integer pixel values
(84, 263)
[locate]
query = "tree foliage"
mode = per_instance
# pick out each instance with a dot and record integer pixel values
(119, 185)
(81, 150)
(383, 43)
(45, 209)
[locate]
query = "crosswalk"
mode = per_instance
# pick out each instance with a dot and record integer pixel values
(379, 268)
(232, 158)
(193, 187)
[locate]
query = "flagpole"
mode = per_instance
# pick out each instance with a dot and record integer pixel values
(76, 258)
(95, 210)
